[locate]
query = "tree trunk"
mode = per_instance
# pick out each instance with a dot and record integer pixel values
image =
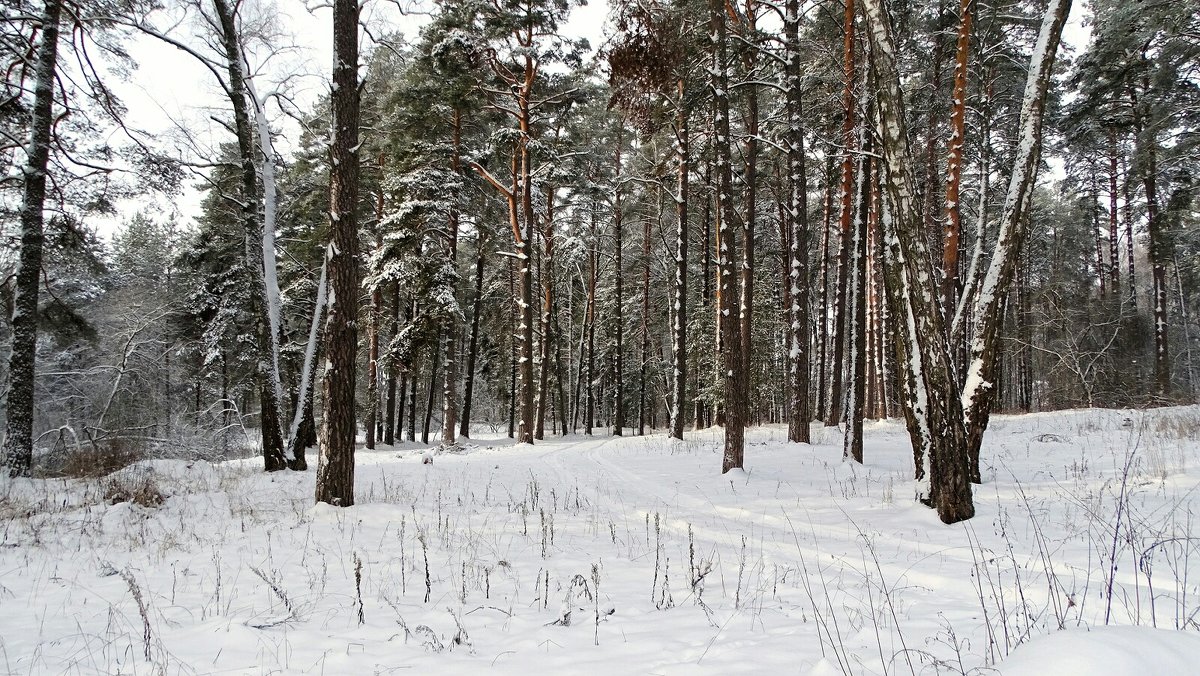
(464, 428)
(590, 416)
(619, 319)
(431, 393)
(18, 441)
(373, 346)
(544, 345)
(937, 429)
(679, 307)
(298, 434)
(750, 154)
(389, 420)
(702, 407)
(978, 389)
(796, 184)
(450, 325)
(335, 466)
(1158, 267)
(644, 330)
(1114, 263)
(958, 123)
(856, 337)
(845, 222)
(727, 303)
(270, 392)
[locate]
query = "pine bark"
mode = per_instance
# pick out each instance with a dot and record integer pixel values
(679, 307)
(589, 418)
(958, 122)
(335, 467)
(18, 440)
(1114, 263)
(727, 293)
(796, 215)
(750, 197)
(619, 310)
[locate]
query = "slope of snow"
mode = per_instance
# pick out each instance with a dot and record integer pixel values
(490, 559)
(1107, 651)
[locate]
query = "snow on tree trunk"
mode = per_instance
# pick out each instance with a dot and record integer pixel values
(958, 123)
(335, 467)
(845, 222)
(296, 440)
(978, 390)
(935, 414)
(856, 316)
(798, 414)
(679, 306)
(18, 440)
(618, 293)
(451, 323)
(249, 149)
(727, 307)
(271, 295)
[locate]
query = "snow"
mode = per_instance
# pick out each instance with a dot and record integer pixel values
(1106, 651)
(802, 563)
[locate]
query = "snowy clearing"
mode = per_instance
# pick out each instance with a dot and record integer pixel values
(492, 559)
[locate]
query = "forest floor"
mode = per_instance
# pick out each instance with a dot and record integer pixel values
(623, 556)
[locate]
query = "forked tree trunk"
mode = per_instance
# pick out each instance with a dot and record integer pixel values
(934, 413)
(335, 467)
(299, 435)
(18, 442)
(988, 305)
(270, 392)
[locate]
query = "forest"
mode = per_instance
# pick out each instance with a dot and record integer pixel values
(733, 213)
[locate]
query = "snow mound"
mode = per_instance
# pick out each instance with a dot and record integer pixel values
(1107, 651)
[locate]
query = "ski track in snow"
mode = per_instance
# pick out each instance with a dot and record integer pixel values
(814, 565)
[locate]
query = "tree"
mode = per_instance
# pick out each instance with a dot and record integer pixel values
(335, 467)
(18, 440)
